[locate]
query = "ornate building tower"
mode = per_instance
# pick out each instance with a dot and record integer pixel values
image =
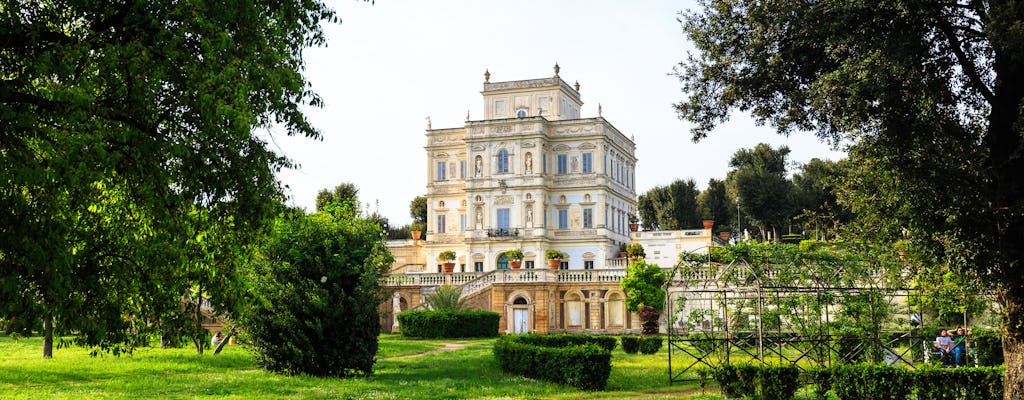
(532, 174)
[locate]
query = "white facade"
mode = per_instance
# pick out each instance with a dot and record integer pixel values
(533, 175)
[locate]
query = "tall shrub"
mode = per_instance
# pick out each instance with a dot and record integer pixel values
(316, 286)
(644, 293)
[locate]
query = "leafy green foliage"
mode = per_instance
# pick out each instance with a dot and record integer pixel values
(635, 250)
(344, 193)
(759, 382)
(670, 207)
(449, 323)
(418, 210)
(446, 256)
(567, 339)
(446, 298)
(928, 94)
(316, 289)
(586, 366)
(553, 254)
(719, 204)
(118, 119)
(643, 285)
(764, 193)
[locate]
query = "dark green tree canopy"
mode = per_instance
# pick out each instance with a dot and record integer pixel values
(764, 192)
(670, 207)
(717, 202)
(418, 209)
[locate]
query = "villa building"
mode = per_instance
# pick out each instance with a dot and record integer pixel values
(531, 175)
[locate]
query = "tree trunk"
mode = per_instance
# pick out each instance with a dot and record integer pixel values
(47, 337)
(1005, 162)
(1013, 343)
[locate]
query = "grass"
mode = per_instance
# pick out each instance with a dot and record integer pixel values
(406, 369)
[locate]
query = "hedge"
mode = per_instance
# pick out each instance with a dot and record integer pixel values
(567, 339)
(449, 324)
(585, 366)
(630, 344)
(884, 382)
(759, 382)
(650, 344)
(988, 346)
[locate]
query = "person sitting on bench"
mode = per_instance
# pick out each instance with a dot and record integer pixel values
(944, 345)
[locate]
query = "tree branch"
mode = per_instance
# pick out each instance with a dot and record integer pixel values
(965, 62)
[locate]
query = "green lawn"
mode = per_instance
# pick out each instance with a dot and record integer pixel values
(405, 370)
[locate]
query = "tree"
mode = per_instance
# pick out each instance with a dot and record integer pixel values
(116, 120)
(674, 206)
(644, 293)
(344, 192)
(766, 196)
(716, 200)
(315, 290)
(418, 209)
(929, 93)
(815, 198)
(446, 298)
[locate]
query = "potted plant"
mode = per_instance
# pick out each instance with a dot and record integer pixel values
(417, 230)
(622, 250)
(515, 258)
(635, 251)
(448, 258)
(554, 258)
(634, 223)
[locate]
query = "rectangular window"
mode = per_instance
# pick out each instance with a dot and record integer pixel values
(588, 217)
(561, 164)
(462, 267)
(588, 163)
(503, 221)
(544, 162)
(563, 265)
(462, 169)
(478, 266)
(589, 264)
(441, 170)
(462, 222)
(563, 219)
(528, 264)
(440, 223)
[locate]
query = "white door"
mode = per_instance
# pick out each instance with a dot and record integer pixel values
(520, 319)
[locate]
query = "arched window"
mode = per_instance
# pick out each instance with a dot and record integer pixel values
(502, 161)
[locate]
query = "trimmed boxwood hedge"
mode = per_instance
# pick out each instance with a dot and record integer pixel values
(759, 382)
(449, 324)
(585, 366)
(631, 344)
(883, 382)
(650, 344)
(567, 339)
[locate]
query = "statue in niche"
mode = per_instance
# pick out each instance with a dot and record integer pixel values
(575, 164)
(479, 218)
(529, 163)
(479, 167)
(529, 216)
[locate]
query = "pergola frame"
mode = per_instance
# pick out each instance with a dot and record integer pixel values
(728, 293)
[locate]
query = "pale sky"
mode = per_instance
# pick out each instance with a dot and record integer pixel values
(389, 65)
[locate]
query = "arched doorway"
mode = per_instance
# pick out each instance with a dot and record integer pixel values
(502, 261)
(520, 316)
